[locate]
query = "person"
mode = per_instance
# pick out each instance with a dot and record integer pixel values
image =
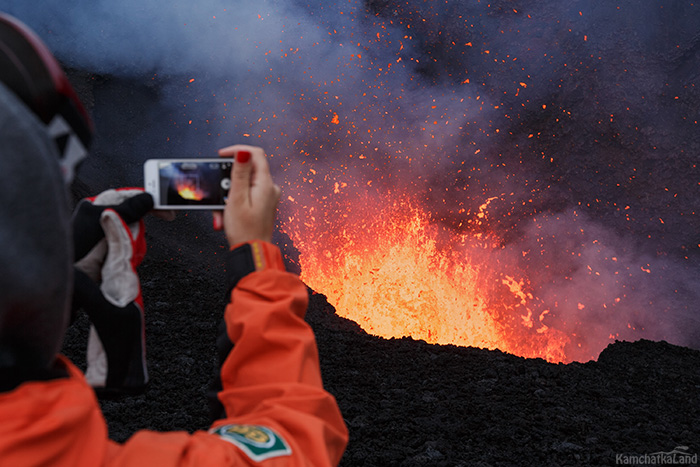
(275, 409)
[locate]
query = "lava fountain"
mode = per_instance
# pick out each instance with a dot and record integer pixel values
(382, 262)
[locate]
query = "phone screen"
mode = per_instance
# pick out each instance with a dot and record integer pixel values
(193, 183)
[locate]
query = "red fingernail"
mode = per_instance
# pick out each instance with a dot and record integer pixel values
(243, 156)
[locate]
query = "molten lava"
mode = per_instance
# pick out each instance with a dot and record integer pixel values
(389, 268)
(187, 188)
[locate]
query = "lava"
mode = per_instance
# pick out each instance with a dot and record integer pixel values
(387, 266)
(187, 188)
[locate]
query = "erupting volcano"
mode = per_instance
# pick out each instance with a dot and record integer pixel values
(496, 174)
(514, 175)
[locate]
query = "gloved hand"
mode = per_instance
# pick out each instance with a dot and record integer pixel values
(109, 244)
(131, 204)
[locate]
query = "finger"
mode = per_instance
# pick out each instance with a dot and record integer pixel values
(134, 208)
(217, 220)
(231, 151)
(241, 176)
(261, 179)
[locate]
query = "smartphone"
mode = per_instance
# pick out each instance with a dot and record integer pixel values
(188, 183)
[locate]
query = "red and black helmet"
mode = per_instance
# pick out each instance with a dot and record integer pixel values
(30, 70)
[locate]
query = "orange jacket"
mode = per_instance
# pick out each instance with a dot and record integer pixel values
(277, 410)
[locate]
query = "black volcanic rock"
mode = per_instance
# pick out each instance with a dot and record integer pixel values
(410, 403)
(406, 402)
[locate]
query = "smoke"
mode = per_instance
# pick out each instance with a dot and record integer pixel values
(136, 38)
(595, 286)
(580, 119)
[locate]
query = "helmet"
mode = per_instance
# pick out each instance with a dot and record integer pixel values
(31, 72)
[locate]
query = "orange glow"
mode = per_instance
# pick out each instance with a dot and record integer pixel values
(387, 267)
(188, 189)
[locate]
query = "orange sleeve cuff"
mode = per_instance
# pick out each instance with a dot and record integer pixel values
(248, 257)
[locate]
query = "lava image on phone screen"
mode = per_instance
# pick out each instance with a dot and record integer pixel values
(204, 183)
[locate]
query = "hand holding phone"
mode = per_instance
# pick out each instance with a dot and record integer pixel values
(241, 195)
(252, 204)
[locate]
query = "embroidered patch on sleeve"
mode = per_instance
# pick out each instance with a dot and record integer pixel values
(256, 441)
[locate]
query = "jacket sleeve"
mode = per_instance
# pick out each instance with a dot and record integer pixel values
(271, 380)
(276, 410)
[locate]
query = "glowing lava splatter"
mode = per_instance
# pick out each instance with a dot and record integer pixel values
(386, 266)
